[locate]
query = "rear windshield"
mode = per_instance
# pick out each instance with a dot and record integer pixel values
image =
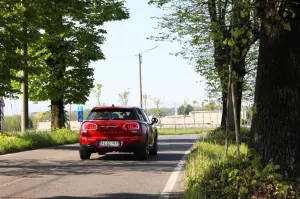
(112, 114)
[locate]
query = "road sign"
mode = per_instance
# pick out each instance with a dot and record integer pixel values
(80, 108)
(80, 116)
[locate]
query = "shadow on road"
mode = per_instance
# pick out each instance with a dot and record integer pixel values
(174, 195)
(165, 141)
(104, 165)
(170, 152)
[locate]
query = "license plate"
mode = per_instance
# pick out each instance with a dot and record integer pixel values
(109, 143)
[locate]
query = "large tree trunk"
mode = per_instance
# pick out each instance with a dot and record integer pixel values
(276, 121)
(57, 114)
(224, 110)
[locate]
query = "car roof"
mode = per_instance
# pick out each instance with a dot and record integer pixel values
(115, 107)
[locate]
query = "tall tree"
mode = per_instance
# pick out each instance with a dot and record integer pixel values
(276, 119)
(123, 97)
(97, 92)
(203, 28)
(158, 102)
(71, 40)
(145, 100)
(14, 16)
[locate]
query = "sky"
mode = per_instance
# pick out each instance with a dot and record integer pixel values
(163, 75)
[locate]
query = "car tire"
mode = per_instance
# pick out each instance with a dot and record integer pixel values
(143, 153)
(84, 154)
(153, 151)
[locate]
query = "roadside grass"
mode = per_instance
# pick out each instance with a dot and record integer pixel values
(16, 141)
(182, 131)
(211, 174)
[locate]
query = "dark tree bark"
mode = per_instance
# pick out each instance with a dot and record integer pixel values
(224, 110)
(276, 120)
(217, 14)
(57, 114)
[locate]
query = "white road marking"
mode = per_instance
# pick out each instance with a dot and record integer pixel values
(173, 178)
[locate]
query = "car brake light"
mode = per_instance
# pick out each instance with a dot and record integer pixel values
(131, 126)
(88, 126)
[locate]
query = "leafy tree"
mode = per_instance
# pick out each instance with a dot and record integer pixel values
(158, 102)
(276, 119)
(145, 100)
(185, 109)
(162, 110)
(12, 123)
(195, 104)
(97, 92)
(209, 106)
(71, 40)
(17, 28)
(204, 29)
(123, 97)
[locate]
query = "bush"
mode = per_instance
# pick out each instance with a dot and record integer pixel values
(15, 142)
(242, 177)
(211, 174)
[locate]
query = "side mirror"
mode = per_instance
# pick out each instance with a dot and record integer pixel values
(154, 120)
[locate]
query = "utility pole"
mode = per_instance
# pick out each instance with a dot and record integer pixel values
(140, 75)
(140, 80)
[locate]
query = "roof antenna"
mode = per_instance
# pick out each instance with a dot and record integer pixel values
(112, 105)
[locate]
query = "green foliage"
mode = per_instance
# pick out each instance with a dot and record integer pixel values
(243, 177)
(123, 97)
(210, 106)
(97, 93)
(162, 111)
(145, 98)
(13, 36)
(66, 48)
(158, 102)
(185, 109)
(15, 142)
(211, 174)
(203, 29)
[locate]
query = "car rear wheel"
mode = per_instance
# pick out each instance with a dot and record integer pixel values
(153, 151)
(84, 154)
(143, 152)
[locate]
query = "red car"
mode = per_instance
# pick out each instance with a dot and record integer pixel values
(119, 129)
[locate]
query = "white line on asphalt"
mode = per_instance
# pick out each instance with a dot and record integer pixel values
(173, 178)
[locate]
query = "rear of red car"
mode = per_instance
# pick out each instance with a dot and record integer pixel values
(109, 129)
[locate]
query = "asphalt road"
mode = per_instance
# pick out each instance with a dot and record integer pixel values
(59, 173)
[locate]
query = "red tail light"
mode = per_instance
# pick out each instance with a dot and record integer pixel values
(88, 126)
(131, 126)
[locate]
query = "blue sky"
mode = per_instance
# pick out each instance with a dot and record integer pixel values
(163, 75)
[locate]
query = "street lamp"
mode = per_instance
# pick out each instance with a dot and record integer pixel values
(140, 74)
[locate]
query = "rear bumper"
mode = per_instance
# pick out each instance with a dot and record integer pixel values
(127, 144)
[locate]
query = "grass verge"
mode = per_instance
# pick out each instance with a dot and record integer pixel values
(212, 175)
(16, 142)
(182, 131)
